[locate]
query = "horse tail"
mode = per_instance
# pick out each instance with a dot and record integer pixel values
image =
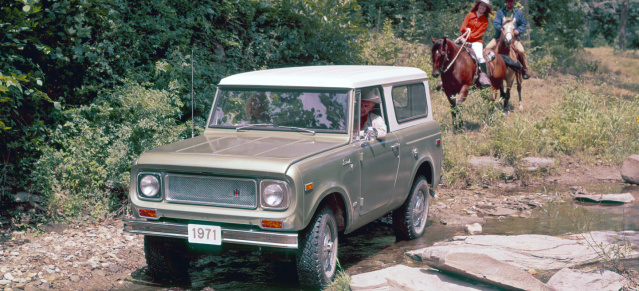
(515, 65)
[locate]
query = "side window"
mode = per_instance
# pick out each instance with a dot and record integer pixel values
(409, 102)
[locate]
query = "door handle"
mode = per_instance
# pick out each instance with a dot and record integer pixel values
(395, 146)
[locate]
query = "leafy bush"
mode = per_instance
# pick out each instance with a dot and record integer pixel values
(58, 54)
(385, 49)
(85, 169)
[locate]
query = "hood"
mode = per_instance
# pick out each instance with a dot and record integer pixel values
(272, 152)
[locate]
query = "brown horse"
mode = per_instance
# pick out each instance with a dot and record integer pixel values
(457, 70)
(505, 48)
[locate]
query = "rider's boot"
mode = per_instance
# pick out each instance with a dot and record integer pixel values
(524, 64)
(483, 77)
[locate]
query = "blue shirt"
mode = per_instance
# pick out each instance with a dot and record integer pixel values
(520, 24)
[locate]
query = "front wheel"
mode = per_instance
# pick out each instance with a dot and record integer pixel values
(409, 220)
(166, 258)
(317, 255)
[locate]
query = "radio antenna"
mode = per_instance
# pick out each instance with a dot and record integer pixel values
(192, 104)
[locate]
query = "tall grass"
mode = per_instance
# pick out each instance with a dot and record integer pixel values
(579, 124)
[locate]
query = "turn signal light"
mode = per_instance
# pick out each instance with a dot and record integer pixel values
(271, 223)
(148, 213)
(308, 187)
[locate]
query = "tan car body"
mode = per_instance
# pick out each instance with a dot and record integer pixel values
(360, 182)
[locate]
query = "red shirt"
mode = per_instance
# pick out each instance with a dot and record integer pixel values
(477, 26)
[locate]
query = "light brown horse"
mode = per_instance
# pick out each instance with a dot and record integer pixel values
(457, 70)
(505, 48)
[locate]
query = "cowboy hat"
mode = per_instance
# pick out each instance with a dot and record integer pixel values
(371, 95)
(486, 2)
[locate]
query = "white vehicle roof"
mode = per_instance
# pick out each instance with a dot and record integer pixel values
(326, 76)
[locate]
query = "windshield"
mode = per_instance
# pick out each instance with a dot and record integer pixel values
(312, 109)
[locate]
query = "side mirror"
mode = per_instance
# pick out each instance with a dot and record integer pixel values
(370, 134)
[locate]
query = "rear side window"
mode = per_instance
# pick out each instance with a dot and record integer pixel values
(410, 102)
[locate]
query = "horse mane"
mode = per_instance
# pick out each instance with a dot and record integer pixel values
(446, 42)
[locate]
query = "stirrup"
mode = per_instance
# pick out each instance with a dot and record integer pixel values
(525, 75)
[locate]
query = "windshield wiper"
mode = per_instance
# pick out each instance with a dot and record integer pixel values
(253, 125)
(250, 126)
(297, 128)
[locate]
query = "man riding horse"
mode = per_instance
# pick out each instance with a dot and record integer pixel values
(507, 13)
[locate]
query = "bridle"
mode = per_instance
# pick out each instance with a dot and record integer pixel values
(458, 52)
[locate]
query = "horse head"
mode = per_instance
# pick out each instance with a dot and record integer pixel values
(508, 30)
(439, 54)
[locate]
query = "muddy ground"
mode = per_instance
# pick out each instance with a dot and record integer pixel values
(102, 257)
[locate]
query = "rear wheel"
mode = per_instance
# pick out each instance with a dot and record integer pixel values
(166, 258)
(409, 221)
(317, 255)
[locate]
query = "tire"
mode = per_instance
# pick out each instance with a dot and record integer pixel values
(166, 258)
(317, 254)
(409, 220)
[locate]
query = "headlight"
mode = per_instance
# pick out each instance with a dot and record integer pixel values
(274, 194)
(149, 186)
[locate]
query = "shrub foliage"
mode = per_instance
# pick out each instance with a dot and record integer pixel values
(87, 85)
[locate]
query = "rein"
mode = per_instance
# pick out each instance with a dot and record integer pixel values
(458, 52)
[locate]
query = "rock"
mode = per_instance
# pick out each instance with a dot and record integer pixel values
(8, 276)
(539, 252)
(483, 268)
(533, 163)
(406, 278)
(630, 169)
(567, 279)
(500, 211)
(114, 268)
(454, 219)
(5, 282)
(492, 163)
(609, 198)
(473, 229)
(55, 227)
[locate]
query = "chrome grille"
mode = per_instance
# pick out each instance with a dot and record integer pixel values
(208, 190)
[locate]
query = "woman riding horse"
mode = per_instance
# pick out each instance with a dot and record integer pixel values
(457, 68)
(475, 24)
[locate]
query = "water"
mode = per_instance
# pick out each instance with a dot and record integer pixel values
(373, 246)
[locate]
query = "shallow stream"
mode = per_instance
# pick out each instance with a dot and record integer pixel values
(373, 247)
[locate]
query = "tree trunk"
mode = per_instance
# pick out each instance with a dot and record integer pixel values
(526, 37)
(623, 21)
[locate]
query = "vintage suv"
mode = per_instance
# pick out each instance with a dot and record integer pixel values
(282, 165)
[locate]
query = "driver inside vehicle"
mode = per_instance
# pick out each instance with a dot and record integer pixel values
(368, 119)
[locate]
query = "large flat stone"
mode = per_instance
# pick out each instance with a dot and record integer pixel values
(492, 163)
(578, 280)
(535, 163)
(483, 268)
(406, 278)
(605, 198)
(530, 251)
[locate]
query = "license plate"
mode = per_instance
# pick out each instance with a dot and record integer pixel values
(205, 234)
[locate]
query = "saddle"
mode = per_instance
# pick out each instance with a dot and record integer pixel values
(513, 64)
(489, 56)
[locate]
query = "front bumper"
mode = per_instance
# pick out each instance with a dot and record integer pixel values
(229, 235)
